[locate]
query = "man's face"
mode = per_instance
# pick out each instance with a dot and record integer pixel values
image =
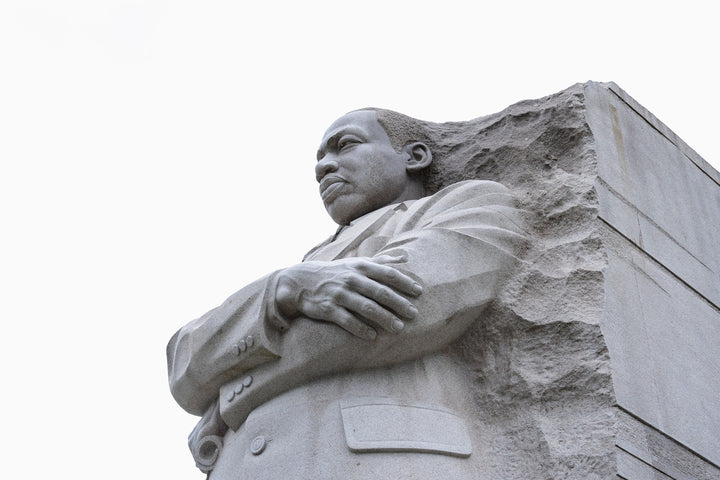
(358, 169)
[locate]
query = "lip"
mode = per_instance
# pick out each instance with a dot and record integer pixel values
(329, 185)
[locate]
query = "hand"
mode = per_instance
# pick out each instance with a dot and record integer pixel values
(357, 294)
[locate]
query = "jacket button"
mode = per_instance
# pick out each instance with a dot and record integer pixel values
(257, 446)
(242, 345)
(247, 381)
(250, 341)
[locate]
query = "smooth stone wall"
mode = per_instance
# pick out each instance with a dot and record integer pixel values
(661, 320)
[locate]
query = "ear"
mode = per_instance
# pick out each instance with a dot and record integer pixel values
(419, 157)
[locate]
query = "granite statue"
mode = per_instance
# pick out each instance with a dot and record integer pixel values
(341, 366)
(563, 324)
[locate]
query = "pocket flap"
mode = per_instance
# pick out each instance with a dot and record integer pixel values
(384, 425)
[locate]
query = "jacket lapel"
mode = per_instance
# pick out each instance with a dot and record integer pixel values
(353, 235)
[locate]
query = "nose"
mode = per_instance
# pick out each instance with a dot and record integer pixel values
(326, 165)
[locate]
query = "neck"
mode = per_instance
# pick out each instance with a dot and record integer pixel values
(413, 191)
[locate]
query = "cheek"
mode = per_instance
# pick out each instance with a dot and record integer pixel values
(384, 171)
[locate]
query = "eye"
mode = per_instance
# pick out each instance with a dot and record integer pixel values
(348, 141)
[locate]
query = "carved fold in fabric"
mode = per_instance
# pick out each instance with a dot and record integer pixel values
(207, 452)
(385, 425)
(206, 439)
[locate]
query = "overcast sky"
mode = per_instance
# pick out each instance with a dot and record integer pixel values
(158, 155)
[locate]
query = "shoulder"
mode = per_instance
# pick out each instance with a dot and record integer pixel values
(465, 194)
(483, 186)
(460, 191)
(464, 204)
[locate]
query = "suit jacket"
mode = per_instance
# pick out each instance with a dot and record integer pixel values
(309, 400)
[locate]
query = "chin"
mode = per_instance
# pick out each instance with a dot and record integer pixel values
(342, 220)
(336, 216)
(340, 215)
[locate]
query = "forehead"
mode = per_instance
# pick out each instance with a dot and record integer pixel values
(363, 122)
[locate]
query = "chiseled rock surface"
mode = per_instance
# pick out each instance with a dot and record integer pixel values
(539, 360)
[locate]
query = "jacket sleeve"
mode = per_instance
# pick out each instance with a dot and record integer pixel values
(460, 244)
(222, 344)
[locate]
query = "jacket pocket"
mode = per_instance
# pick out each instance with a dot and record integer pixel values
(386, 425)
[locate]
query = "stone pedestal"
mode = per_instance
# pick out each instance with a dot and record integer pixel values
(602, 357)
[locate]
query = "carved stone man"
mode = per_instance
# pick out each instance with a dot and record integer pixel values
(338, 367)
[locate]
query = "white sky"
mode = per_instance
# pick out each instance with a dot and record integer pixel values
(158, 155)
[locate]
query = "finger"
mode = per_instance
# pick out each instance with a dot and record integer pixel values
(329, 312)
(384, 296)
(385, 259)
(392, 278)
(372, 312)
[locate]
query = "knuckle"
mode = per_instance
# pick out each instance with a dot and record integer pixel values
(352, 279)
(325, 308)
(362, 268)
(384, 295)
(333, 291)
(365, 265)
(394, 275)
(346, 278)
(367, 309)
(390, 274)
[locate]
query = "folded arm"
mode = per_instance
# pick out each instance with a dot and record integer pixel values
(221, 345)
(458, 247)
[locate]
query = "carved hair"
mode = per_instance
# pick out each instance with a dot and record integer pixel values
(457, 147)
(402, 129)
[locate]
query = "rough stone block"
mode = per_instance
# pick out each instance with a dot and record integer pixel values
(615, 314)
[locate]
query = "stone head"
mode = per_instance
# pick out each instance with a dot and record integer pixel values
(369, 159)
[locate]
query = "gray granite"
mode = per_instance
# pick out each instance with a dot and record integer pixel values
(657, 452)
(661, 317)
(653, 195)
(567, 327)
(661, 336)
(631, 467)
